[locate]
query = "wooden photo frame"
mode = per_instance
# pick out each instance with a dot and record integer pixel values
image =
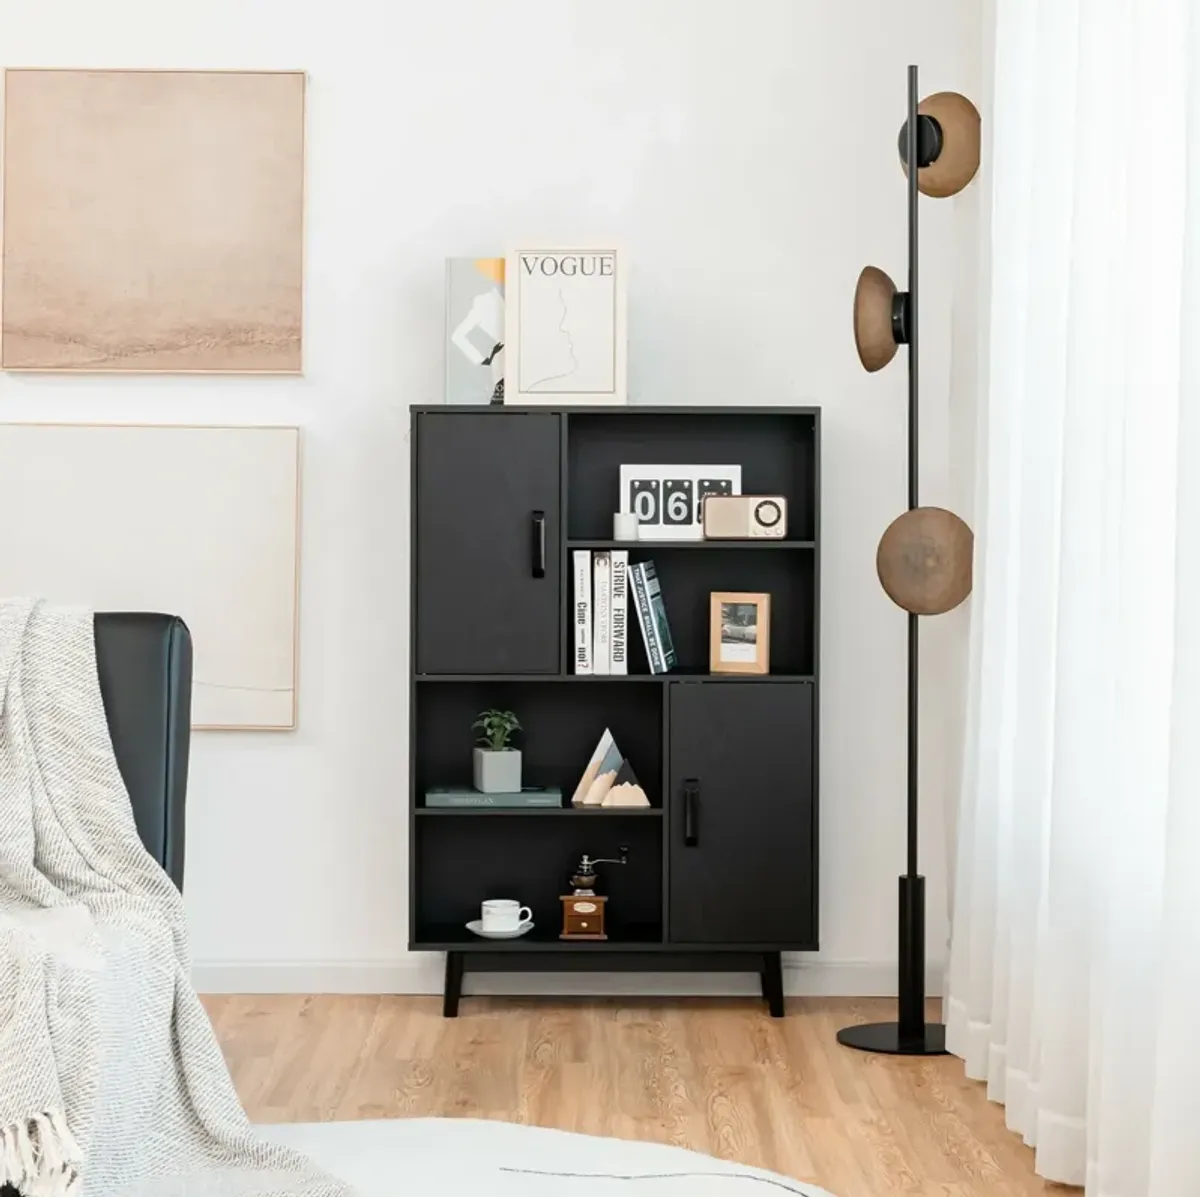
(566, 338)
(739, 632)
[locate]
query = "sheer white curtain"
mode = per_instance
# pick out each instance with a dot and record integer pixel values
(1075, 964)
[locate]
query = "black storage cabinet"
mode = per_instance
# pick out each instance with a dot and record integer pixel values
(722, 871)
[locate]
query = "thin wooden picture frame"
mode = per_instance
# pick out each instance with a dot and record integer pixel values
(292, 365)
(528, 379)
(739, 642)
(298, 432)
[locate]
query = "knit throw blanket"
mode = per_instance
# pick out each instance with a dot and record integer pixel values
(111, 1080)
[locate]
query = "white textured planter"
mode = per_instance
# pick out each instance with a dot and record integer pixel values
(498, 772)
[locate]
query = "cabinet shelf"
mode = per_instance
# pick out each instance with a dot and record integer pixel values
(676, 675)
(541, 677)
(449, 937)
(654, 545)
(721, 871)
(574, 812)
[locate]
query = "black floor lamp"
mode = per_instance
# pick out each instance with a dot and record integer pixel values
(924, 557)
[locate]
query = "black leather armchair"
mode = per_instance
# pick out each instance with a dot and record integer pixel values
(145, 667)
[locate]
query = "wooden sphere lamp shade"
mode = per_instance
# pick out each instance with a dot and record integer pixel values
(948, 137)
(924, 559)
(947, 150)
(877, 308)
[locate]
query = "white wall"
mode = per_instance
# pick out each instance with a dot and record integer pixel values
(745, 151)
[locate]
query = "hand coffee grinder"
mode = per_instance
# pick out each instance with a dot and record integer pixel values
(583, 910)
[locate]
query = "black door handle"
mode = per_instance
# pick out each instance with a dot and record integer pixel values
(539, 544)
(691, 813)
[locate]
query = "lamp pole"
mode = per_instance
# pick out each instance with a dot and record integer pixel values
(911, 1035)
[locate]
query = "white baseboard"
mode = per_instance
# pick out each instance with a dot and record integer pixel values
(801, 978)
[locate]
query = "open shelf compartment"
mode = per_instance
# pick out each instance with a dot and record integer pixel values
(530, 860)
(777, 453)
(689, 579)
(563, 725)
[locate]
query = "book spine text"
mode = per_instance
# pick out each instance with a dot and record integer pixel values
(602, 600)
(658, 613)
(583, 610)
(619, 612)
(641, 598)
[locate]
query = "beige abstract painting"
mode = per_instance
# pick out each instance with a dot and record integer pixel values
(153, 221)
(200, 522)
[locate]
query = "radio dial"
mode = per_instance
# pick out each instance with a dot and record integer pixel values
(767, 513)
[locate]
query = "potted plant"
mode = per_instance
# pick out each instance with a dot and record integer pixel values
(497, 763)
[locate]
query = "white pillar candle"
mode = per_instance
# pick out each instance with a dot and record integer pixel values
(625, 526)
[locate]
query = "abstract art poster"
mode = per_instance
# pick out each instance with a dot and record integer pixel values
(474, 330)
(567, 338)
(153, 221)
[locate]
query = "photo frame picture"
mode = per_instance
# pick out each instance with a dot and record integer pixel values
(669, 499)
(739, 632)
(566, 326)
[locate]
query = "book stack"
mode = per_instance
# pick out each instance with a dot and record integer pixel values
(605, 585)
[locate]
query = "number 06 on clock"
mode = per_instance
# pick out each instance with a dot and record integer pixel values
(669, 499)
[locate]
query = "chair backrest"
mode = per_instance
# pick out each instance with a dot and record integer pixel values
(145, 667)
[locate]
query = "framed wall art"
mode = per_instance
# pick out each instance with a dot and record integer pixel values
(739, 632)
(475, 330)
(153, 221)
(669, 499)
(201, 522)
(566, 326)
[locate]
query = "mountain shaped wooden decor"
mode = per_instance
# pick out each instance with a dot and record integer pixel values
(600, 773)
(625, 790)
(609, 779)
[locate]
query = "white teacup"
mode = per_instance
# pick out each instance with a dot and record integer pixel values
(504, 914)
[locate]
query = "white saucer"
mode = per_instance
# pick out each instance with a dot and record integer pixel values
(476, 927)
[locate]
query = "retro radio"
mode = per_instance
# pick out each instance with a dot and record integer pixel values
(745, 517)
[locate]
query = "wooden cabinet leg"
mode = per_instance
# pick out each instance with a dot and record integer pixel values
(772, 982)
(452, 990)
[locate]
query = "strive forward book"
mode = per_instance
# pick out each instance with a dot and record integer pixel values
(618, 611)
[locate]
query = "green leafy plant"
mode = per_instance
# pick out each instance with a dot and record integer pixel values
(497, 728)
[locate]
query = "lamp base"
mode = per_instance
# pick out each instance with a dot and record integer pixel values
(885, 1037)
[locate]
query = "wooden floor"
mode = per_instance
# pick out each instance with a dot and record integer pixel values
(717, 1076)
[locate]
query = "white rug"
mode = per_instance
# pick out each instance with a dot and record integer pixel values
(461, 1157)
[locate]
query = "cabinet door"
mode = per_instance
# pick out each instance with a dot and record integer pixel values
(742, 858)
(487, 552)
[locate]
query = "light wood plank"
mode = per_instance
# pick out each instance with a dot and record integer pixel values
(712, 1075)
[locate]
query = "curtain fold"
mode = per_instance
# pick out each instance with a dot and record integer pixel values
(1075, 956)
